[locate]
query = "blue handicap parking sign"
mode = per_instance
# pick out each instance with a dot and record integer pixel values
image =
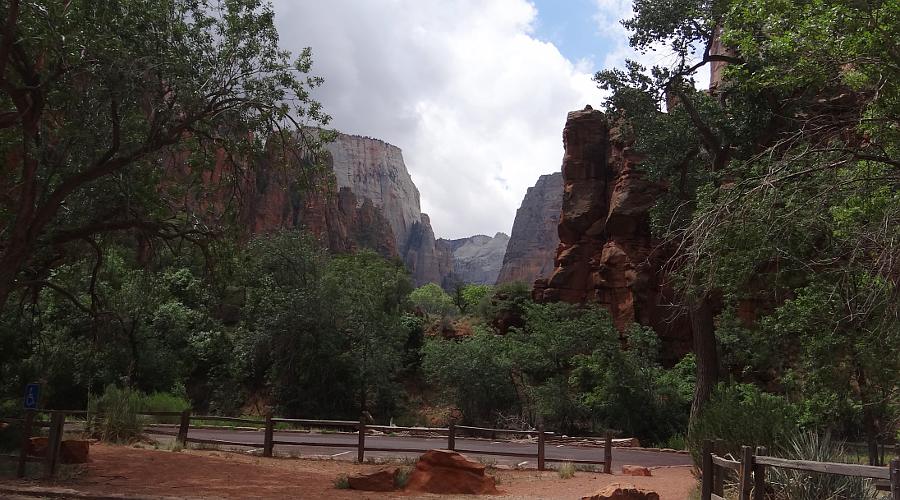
(32, 395)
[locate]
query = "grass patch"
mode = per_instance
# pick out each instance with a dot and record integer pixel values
(342, 482)
(566, 470)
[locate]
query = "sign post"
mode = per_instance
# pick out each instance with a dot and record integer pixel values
(32, 396)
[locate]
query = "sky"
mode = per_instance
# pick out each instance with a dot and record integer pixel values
(474, 92)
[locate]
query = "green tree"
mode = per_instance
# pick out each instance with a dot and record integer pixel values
(99, 101)
(368, 295)
(473, 374)
(772, 172)
(432, 300)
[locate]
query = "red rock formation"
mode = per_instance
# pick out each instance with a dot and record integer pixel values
(534, 239)
(448, 472)
(606, 253)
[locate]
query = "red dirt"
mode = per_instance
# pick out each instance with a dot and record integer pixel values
(218, 474)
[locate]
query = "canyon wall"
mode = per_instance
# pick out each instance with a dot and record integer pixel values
(606, 253)
(371, 202)
(476, 259)
(534, 239)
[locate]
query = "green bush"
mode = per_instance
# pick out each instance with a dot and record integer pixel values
(115, 414)
(472, 373)
(566, 470)
(743, 415)
(799, 485)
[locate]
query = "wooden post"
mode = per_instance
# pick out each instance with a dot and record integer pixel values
(269, 436)
(183, 427)
(607, 453)
(26, 443)
(895, 479)
(57, 421)
(361, 450)
(451, 437)
(746, 473)
(540, 450)
(706, 470)
(719, 472)
(759, 475)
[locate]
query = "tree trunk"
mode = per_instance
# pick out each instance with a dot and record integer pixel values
(704, 337)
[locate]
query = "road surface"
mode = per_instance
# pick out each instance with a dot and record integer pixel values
(343, 446)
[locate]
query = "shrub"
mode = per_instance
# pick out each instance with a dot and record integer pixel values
(402, 477)
(799, 485)
(566, 470)
(342, 482)
(115, 413)
(741, 414)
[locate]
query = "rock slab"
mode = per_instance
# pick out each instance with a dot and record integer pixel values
(382, 480)
(448, 472)
(619, 491)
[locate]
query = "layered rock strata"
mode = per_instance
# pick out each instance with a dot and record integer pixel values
(606, 253)
(534, 239)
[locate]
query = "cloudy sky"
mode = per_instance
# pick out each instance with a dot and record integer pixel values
(475, 92)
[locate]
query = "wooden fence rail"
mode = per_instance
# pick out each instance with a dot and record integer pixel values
(185, 419)
(751, 471)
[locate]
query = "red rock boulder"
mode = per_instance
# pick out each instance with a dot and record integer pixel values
(635, 470)
(74, 451)
(448, 472)
(617, 491)
(71, 451)
(383, 480)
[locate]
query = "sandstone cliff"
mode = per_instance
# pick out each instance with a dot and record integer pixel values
(534, 239)
(476, 259)
(371, 203)
(606, 253)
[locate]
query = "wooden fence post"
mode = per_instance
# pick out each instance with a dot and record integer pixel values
(746, 473)
(26, 443)
(57, 422)
(269, 436)
(540, 450)
(183, 427)
(607, 453)
(759, 475)
(361, 450)
(719, 472)
(451, 436)
(895, 479)
(706, 470)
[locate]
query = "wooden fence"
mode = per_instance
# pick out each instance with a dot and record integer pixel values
(185, 418)
(751, 472)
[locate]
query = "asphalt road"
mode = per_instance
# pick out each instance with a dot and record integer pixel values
(333, 447)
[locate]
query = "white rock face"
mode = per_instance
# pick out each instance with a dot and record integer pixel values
(476, 259)
(374, 170)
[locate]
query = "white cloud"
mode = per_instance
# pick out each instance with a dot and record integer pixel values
(462, 86)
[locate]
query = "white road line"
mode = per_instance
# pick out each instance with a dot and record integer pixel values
(339, 454)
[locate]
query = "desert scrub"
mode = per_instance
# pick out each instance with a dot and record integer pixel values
(114, 415)
(800, 485)
(566, 470)
(342, 482)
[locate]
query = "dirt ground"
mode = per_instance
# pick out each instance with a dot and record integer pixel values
(218, 474)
